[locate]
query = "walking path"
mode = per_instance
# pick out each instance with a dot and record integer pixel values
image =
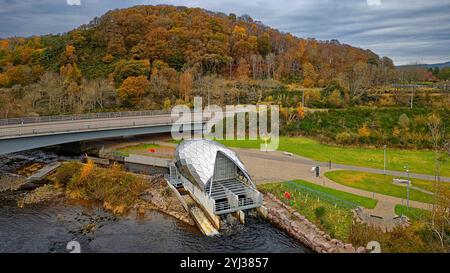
(276, 166)
(279, 156)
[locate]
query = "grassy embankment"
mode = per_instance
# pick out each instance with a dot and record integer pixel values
(135, 149)
(114, 188)
(328, 208)
(382, 184)
(418, 161)
(413, 214)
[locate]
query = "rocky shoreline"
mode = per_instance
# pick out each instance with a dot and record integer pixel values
(300, 228)
(161, 198)
(156, 197)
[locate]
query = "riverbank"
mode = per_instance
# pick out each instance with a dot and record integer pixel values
(156, 195)
(48, 227)
(300, 228)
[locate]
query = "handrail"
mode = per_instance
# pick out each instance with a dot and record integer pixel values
(206, 200)
(88, 116)
(77, 127)
(101, 115)
(66, 128)
(74, 123)
(330, 198)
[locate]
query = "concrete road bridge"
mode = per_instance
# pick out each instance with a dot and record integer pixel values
(19, 134)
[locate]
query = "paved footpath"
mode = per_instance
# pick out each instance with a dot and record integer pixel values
(276, 166)
(279, 156)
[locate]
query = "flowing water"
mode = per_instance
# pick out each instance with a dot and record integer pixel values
(49, 227)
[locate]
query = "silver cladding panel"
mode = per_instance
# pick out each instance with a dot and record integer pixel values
(199, 157)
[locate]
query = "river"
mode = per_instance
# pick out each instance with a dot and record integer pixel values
(49, 227)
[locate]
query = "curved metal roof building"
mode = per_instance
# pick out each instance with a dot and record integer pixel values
(202, 158)
(219, 173)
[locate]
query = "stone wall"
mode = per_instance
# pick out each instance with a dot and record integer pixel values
(303, 230)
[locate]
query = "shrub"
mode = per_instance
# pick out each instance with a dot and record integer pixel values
(320, 212)
(364, 132)
(115, 188)
(416, 238)
(66, 171)
(334, 99)
(343, 138)
(403, 121)
(166, 191)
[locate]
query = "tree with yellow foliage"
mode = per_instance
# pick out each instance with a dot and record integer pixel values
(309, 75)
(71, 73)
(239, 31)
(334, 99)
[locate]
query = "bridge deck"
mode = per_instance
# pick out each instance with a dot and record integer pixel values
(20, 130)
(30, 133)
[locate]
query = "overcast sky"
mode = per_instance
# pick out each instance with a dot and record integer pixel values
(405, 30)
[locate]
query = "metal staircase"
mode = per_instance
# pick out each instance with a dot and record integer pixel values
(174, 176)
(231, 195)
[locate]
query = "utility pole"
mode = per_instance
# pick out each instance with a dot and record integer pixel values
(407, 186)
(407, 190)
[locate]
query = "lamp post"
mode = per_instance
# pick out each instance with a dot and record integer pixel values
(384, 162)
(407, 187)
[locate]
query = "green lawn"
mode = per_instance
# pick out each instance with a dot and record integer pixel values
(136, 149)
(309, 201)
(413, 214)
(380, 183)
(340, 195)
(417, 161)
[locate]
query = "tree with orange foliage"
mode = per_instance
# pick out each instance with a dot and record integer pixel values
(239, 31)
(69, 54)
(185, 85)
(4, 80)
(243, 69)
(364, 131)
(71, 73)
(20, 74)
(300, 112)
(4, 44)
(133, 89)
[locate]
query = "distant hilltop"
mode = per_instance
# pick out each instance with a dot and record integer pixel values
(438, 65)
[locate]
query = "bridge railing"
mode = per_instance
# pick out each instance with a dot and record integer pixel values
(40, 119)
(80, 127)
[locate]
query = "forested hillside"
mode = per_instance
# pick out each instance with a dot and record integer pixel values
(155, 56)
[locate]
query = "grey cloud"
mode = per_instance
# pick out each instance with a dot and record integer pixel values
(406, 31)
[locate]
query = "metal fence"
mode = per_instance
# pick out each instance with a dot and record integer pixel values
(28, 120)
(322, 195)
(78, 127)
